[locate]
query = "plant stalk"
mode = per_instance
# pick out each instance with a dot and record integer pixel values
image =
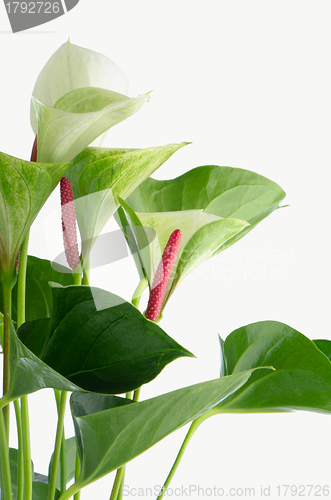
(57, 448)
(117, 483)
(20, 476)
(142, 285)
(6, 494)
(194, 426)
(74, 488)
(77, 472)
(7, 292)
(21, 292)
(86, 273)
(26, 449)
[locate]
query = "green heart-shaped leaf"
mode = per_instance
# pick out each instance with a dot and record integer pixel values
(29, 374)
(302, 380)
(62, 134)
(111, 431)
(72, 67)
(99, 341)
(39, 299)
(223, 191)
(202, 235)
(24, 188)
(100, 176)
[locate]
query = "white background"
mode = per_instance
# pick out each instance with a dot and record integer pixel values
(249, 84)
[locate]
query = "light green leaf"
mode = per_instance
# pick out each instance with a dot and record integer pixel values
(24, 188)
(302, 380)
(223, 191)
(39, 300)
(202, 235)
(62, 134)
(72, 67)
(100, 176)
(29, 374)
(111, 431)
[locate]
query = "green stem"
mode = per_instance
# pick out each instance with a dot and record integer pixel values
(74, 488)
(120, 493)
(63, 456)
(194, 426)
(21, 291)
(142, 285)
(136, 394)
(117, 483)
(77, 278)
(6, 289)
(6, 494)
(20, 476)
(63, 464)
(86, 273)
(26, 449)
(21, 281)
(57, 448)
(77, 472)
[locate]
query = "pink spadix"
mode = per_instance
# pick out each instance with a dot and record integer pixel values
(69, 224)
(162, 276)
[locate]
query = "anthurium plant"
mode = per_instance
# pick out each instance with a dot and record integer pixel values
(60, 332)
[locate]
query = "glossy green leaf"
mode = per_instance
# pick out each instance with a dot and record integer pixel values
(100, 176)
(223, 191)
(202, 235)
(39, 299)
(302, 380)
(71, 450)
(13, 462)
(112, 431)
(40, 491)
(72, 67)
(29, 374)
(324, 346)
(99, 341)
(24, 188)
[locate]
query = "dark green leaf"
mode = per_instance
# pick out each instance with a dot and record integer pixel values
(302, 380)
(29, 374)
(100, 342)
(40, 491)
(324, 346)
(112, 431)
